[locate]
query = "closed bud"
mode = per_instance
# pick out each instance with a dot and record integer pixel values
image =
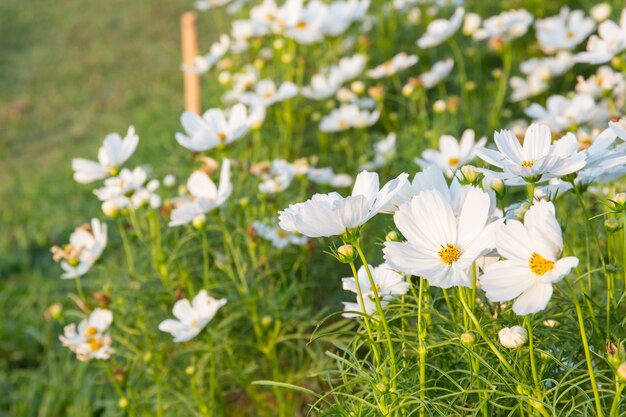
(199, 221)
(122, 403)
(600, 12)
(469, 174)
(513, 337)
(471, 23)
(392, 236)
(286, 58)
(439, 106)
(408, 90)
(346, 253)
(357, 87)
(621, 372)
(612, 225)
(266, 321)
(468, 339)
(278, 44)
(190, 370)
(224, 77)
(414, 16)
(497, 186)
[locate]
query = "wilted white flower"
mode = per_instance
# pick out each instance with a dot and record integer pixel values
(86, 244)
(192, 317)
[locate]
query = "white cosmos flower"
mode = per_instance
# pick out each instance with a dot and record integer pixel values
(438, 72)
(209, 4)
(532, 262)
(86, 244)
(513, 337)
(536, 160)
(192, 317)
(384, 152)
(91, 339)
(348, 116)
(322, 86)
(452, 154)
(539, 71)
(214, 128)
(147, 196)
(563, 31)
(561, 112)
(331, 214)
(278, 178)
(342, 13)
(267, 93)
(388, 283)
(398, 63)
(440, 246)
(111, 155)
(303, 22)
(507, 25)
(279, 238)
(204, 63)
(604, 82)
(441, 29)
(611, 40)
(204, 196)
(348, 68)
(126, 183)
(328, 176)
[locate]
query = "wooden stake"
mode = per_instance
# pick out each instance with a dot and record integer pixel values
(189, 38)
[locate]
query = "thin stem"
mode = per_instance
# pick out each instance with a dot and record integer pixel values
(79, 289)
(583, 336)
(421, 335)
(205, 259)
(502, 86)
(127, 249)
(531, 353)
(383, 320)
(616, 399)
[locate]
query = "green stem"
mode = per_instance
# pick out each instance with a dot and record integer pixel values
(383, 320)
(205, 259)
(502, 86)
(583, 336)
(531, 353)
(127, 249)
(616, 399)
(79, 289)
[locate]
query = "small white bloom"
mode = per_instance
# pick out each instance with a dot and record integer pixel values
(111, 155)
(91, 339)
(277, 178)
(267, 93)
(384, 152)
(398, 63)
(328, 176)
(561, 112)
(348, 116)
(441, 29)
(610, 41)
(169, 180)
(278, 237)
(532, 264)
(452, 154)
(438, 72)
(204, 196)
(322, 86)
(204, 63)
(192, 317)
(471, 23)
(508, 25)
(513, 337)
(563, 31)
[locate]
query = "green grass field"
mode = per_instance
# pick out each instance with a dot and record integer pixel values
(70, 72)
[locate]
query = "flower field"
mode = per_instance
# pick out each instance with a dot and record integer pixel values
(384, 208)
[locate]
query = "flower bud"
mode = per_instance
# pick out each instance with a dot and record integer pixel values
(357, 87)
(169, 181)
(468, 339)
(278, 44)
(497, 186)
(346, 253)
(122, 403)
(469, 174)
(266, 321)
(439, 106)
(392, 236)
(55, 311)
(513, 337)
(621, 372)
(612, 225)
(286, 58)
(407, 90)
(600, 12)
(550, 323)
(199, 221)
(414, 16)
(471, 23)
(520, 212)
(190, 370)
(224, 77)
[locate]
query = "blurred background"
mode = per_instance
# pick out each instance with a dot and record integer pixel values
(71, 71)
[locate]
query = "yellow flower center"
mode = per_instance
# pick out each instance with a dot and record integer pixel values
(221, 136)
(91, 331)
(449, 254)
(528, 164)
(95, 345)
(453, 161)
(570, 34)
(301, 25)
(539, 265)
(282, 234)
(343, 124)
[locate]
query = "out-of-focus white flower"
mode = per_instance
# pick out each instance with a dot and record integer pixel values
(328, 176)
(438, 72)
(605, 82)
(331, 214)
(278, 178)
(214, 128)
(441, 29)
(322, 86)
(619, 128)
(561, 112)
(563, 31)
(267, 93)
(532, 264)
(348, 116)
(384, 152)
(204, 196)
(169, 180)
(538, 72)
(440, 246)
(398, 63)
(508, 25)
(348, 68)
(536, 160)
(388, 284)
(192, 317)
(611, 40)
(513, 337)
(111, 155)
(124, 185)
(452, 153)
(204, 63)
(209, 4)
(86, 244)
(471, 23)
(279, 238)
(147, 196)
(341, 14)
(90, 340)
